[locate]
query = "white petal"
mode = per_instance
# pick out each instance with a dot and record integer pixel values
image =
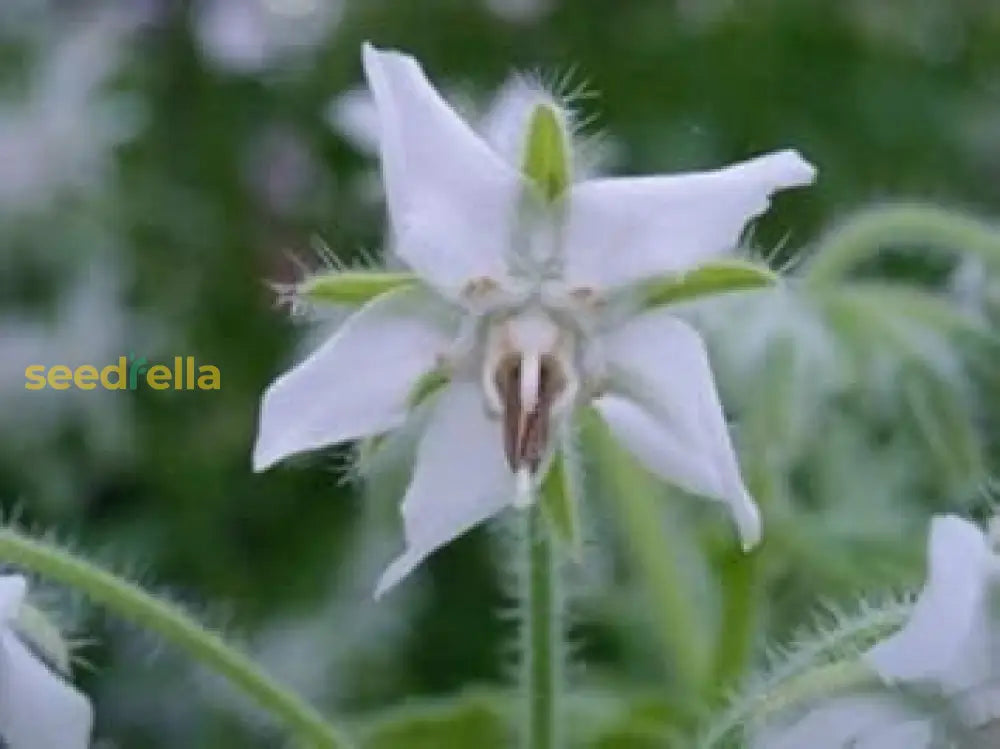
(460, 479)
(356, 384)
(857, 722)
(38, 709)
(451, 199)
(622, 230)
(12, 591)
(667, 412)
(927, 647)
(665, 452)
(947, 642)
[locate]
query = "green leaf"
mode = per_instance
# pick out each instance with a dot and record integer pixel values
(919, 306)
(471, 720)
(634, 721)
(712, 278)
(943, 420)
(351, 287)
(546, 155)
(918, 333)
(637, 737)
(559, 500)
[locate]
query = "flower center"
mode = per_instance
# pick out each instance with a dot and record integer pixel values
(527, 387)
(529, 378)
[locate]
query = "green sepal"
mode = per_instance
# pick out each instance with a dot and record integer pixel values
(351, 287)
(44, 636)
(546, 153)
(559, 502)
(428, 384)
(717, 277)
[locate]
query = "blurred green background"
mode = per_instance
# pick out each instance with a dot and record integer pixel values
(162, 161)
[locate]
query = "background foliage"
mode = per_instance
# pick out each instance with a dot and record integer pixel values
(160, 161)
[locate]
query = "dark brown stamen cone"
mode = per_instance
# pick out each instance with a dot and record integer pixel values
(525, 436)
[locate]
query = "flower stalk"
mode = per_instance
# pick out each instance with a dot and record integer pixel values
(134, 604)
(541, 608)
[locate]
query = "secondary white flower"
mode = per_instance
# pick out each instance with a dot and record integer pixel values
(523, 313)
(951, 644)
(38, 709)
(948, 653)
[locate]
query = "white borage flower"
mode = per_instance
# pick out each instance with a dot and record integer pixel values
(523, 312)
(38, 708)
(940, 673)
(951, 643)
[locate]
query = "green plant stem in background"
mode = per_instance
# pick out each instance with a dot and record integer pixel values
(542, 646)
(134, 604)
(737, 633)
(738, 576)
(682, 635)
(910, 225)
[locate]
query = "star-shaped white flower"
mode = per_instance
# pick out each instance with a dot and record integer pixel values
(948, 652)
(525, 310)
(38, 709)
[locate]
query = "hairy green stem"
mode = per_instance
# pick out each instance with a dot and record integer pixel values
(542, 622)
(132, 603)
(826, 680)
(793, 682)
(822, 681)
(904, 224)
